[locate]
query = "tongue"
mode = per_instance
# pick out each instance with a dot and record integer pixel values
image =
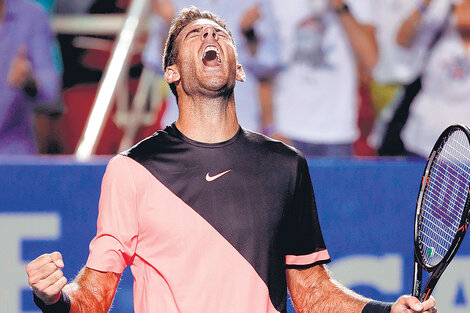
(210, 59)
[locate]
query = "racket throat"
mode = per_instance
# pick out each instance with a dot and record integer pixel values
(436, 274)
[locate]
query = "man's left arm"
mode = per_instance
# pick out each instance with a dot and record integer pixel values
(260, 40)
(313, 290)
(361, 36)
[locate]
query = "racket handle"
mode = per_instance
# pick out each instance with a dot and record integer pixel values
(417, 279)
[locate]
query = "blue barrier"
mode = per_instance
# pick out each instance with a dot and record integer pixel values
(366, 210)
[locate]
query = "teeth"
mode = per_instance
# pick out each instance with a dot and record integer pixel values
(212, 48)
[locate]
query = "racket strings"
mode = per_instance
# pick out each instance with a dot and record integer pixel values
(450, 201)
(431, 242)
(434, 227)
(462, 168)
(463, 155)
(444, 197)
(435, 245)
(436, 202)
(450, 216)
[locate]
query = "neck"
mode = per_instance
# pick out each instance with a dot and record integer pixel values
(209, 120)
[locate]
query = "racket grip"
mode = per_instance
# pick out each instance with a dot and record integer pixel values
(417, 279)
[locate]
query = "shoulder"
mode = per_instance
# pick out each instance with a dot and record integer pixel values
(150, 146)
(272, 146)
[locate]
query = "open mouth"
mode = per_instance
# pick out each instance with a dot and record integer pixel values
(211, 56)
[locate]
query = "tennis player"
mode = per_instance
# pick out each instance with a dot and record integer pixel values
(209, 216)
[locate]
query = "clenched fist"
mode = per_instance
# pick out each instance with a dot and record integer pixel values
(46, 277)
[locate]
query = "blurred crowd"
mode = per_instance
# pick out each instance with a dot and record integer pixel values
(331, 77)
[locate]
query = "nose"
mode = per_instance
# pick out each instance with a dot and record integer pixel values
(209, 33)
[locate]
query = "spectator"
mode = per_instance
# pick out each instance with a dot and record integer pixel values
(254, 31)
(47, 118)
(27, 73)
(445, 92)
(72, 6)
(48, 5)
(397, 74)
(316, 93)
(397, 64)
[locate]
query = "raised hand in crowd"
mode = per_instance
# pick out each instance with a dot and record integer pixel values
(164, 9)
(407, 31)
(20, 69)
(250, 17)
(361, 36)
(247, 27)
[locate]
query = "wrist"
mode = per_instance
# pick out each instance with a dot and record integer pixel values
(29, 87)
(249, 33)
(341, 9)
(422, 7)
(377, 307)
(61, 306)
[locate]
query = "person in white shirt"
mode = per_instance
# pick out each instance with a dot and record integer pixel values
(315, 94)
(405, 32)
(401, 63)
(444, 98)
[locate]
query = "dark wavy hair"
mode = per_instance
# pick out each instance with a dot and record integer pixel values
(185, 17)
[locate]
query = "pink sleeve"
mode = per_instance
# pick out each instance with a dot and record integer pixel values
(319, 257)
(116, 238)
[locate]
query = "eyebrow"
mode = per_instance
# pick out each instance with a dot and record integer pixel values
(199, 29)
(195, 30)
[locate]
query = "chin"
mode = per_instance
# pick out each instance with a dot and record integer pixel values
(217, 90)
(218, 83)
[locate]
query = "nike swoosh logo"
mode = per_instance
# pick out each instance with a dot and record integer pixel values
(212, 178)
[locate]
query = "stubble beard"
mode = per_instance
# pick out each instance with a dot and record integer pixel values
(211, 88)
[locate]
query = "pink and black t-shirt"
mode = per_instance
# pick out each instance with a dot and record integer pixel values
(207, 227)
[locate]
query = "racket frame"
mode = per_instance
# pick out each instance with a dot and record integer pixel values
(419, 262)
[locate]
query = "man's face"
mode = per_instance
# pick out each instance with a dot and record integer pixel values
(206, 61)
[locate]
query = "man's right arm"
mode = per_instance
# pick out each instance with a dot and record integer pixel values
(91, 291)
(314, 290)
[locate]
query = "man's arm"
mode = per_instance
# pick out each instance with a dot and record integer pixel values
(313, 290)
(361, 36)
(91, 291)
(43, 75)
(407, 32)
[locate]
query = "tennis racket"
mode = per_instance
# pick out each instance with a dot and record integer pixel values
(442, 210)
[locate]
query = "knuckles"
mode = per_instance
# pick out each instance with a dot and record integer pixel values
(48, 271)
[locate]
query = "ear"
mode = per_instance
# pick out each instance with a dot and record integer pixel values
(172, 74)
(241, 77)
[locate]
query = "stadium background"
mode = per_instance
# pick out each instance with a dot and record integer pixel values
(366, 209)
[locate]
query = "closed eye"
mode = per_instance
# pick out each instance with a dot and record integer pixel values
(221, 33)
(194, 33)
